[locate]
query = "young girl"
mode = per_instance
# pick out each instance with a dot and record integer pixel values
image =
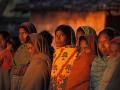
(83, 43)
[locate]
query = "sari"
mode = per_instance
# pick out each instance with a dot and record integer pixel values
(114, 83)
(21, 62)
(21, 58)
(80, 79)
(91, 34)
(107, 75)
(5, 67)
(64, 58)
(98, 67)
(37, 75)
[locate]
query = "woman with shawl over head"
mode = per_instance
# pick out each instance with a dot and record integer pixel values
(8, 46)
(37, 75)
(79, 32)
(80, 79)
(21, 57)
(64, 57)
(101, 60)
(111, 77)
(91, 36)
(6, 61)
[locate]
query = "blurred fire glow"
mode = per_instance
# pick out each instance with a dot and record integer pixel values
(50, 20)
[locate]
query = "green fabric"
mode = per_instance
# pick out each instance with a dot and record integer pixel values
(98, 67)
(88, 30)
(21, 56)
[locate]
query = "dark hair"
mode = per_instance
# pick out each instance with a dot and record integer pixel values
(5, 35)
(28, 40)
(69, 33)
(14, 41)
(80, 30)
(29, 27)
(47, 36)
(109, 32)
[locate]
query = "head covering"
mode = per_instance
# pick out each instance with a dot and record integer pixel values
(22, 55)
(80, 29)
(29, 27)
(69, 33)
(88, 30)
(116, 40)
(91, 37)
(39, 43)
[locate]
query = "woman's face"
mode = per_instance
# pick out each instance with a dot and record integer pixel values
(22, 35)
(78, 34)
(60, 39)
(31, 49)
(83, 45)
(104, 44)
(2, 42)
(114, 50)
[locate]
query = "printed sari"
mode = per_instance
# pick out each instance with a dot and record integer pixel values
(62, 65)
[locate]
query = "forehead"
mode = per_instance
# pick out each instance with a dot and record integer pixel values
(22, 30)
(60, 32)
(103, 37)
(80, 33)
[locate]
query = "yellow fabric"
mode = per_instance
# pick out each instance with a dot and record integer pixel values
(62, 65)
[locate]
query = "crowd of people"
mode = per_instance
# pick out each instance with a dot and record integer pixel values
(81, 61)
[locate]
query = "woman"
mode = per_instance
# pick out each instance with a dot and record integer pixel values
(37, 75)
(6, 61)
(49, 39)
(101, 60)
(64, 56)
(79, 32)
(80, 79)
(114, 59)
(21, 57)
(114, 80)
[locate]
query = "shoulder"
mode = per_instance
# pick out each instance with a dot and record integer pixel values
(41, 58)
(97, 60)
(6, 53)
(22, 47)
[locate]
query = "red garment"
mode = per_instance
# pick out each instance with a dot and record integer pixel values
(80, 75)
(6, 59)
(116, 40)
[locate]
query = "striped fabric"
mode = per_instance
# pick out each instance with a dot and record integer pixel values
(98, 66)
